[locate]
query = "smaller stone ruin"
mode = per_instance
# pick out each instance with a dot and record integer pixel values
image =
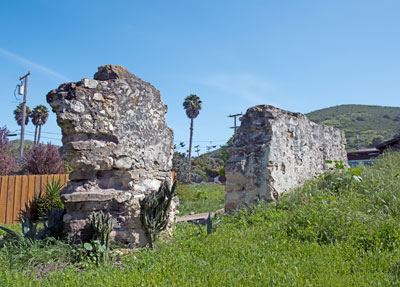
(276, 151)
(119, 146)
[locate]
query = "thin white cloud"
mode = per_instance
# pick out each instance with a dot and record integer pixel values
(33, 65)
(249, 87)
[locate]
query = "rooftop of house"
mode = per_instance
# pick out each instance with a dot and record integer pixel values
(388, 143)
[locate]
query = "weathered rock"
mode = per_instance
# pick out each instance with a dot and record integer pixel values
(276, 151)
(118, 144)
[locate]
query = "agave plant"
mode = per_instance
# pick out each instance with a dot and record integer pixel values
(211, 227)
(154, 211)
(29, 230)
(53, 227)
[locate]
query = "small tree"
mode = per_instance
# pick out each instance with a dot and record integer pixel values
(8, 163)
(43, 159)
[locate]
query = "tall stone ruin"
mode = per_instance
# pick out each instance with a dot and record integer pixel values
(276, 151)
(119, 147)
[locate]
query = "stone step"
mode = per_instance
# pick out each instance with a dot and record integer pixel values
(199, 217)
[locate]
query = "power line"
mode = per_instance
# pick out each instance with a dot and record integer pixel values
(32, 134)
(234, 116)
(47, 133)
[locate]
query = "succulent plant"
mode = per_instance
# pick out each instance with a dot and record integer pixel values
(53, 227)
(209, 223)
(100, 227)
(154, 210)
(98, 247)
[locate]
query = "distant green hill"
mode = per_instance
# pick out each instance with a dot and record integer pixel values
(373, 124)
(14, 144)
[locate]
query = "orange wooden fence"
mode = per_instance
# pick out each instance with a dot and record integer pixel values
(18, 190)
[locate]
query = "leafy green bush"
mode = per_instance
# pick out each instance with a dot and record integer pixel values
(221, 171)
(50, 199)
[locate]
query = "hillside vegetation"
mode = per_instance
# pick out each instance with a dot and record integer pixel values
(14, 144)
(342, 229)
(373, 124)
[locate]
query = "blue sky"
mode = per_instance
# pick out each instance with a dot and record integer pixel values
(296, 55)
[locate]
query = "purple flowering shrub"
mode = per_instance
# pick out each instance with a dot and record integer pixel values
(8, 164)
(43, 159)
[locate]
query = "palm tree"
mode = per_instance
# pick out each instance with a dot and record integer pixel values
(39, 118)
(192, 106)
(35, 115)
(18, 114)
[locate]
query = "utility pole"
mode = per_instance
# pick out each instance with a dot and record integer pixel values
(358, 142)
(197, 149)
(234, 117)
(21, 144)
(209, 147)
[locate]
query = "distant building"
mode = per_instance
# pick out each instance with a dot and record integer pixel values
(393, 144)
(363, 156)
(366, 156)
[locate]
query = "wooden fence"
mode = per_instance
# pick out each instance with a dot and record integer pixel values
(17, 191)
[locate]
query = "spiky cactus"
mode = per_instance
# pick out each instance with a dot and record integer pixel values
(100, 228)
(154, 211)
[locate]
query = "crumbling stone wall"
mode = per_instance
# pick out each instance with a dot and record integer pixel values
(119, 146)
(276, 150)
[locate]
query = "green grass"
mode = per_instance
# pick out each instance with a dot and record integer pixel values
(340, 230)
(200, 198)
(14, 227)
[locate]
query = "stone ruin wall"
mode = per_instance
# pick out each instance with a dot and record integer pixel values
(276, 151)
(119, 146)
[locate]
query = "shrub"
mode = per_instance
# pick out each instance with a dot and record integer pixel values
(51, 198)
(221, 171)
(8, 164)
(181, 167)
(43, 159)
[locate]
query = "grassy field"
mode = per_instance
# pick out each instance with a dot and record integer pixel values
(199, 198)
(340, 230)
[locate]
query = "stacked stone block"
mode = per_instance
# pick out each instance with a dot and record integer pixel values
(275, 151)
(119, 146)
